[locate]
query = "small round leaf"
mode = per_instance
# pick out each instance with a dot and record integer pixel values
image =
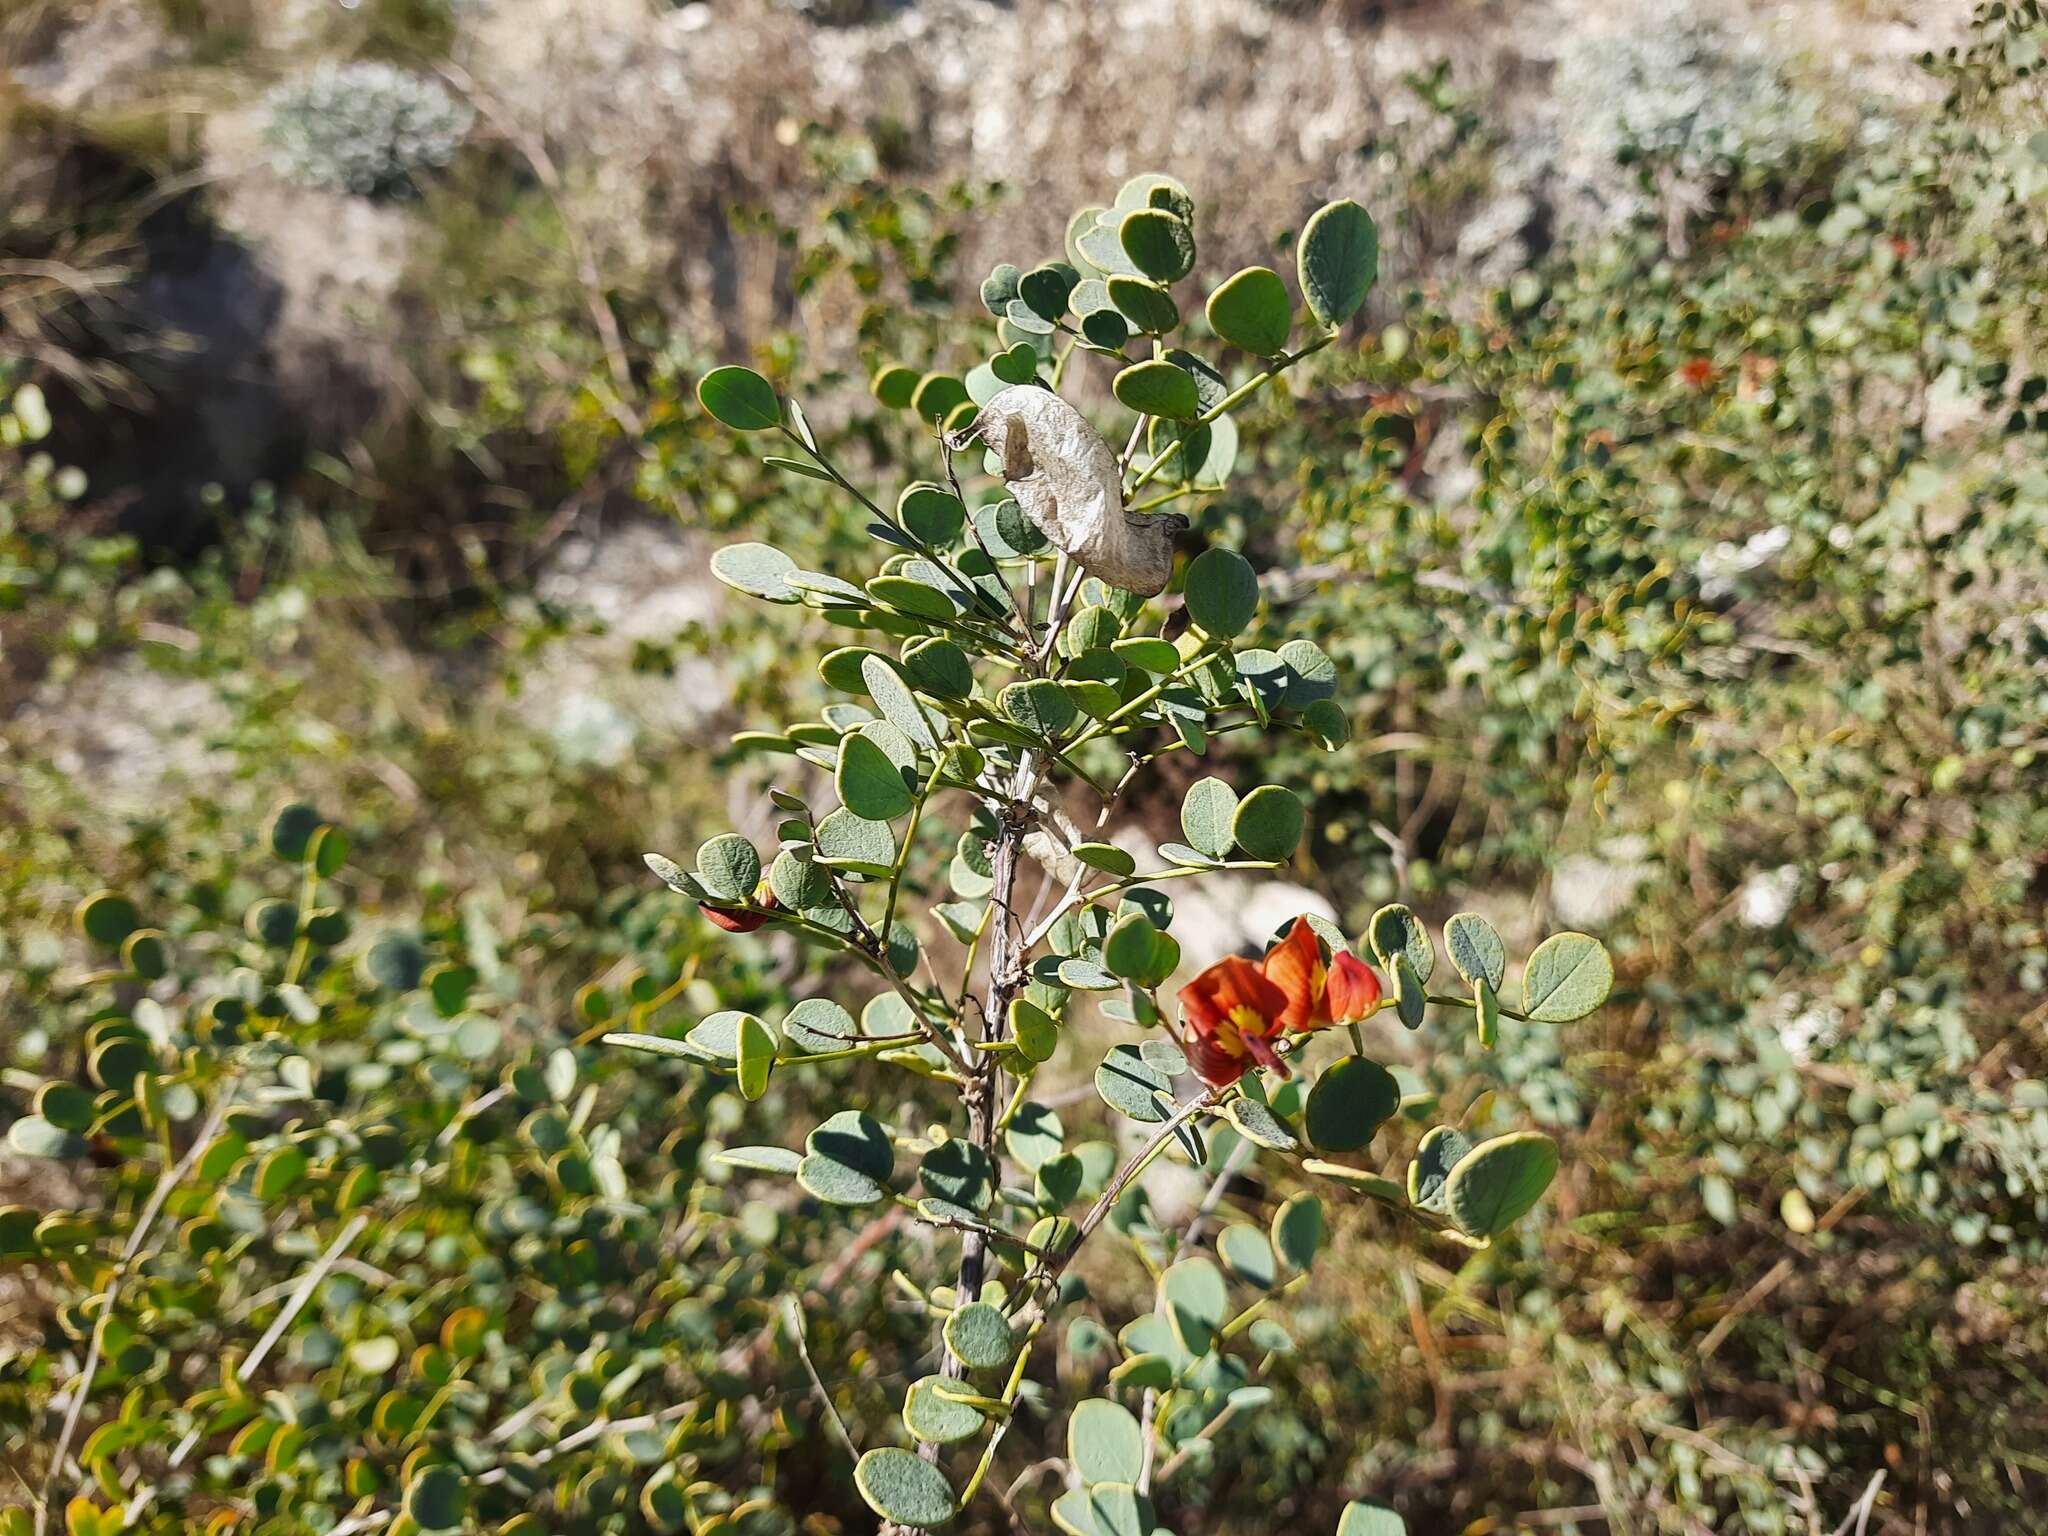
(1222, 593)
(1252, 311)
(1349, 1103)
(1158, 388)
(901, 1486)
(740, 398)
(1494, 1185)
(1568, 976)
(1338, 259)
(1268, 823)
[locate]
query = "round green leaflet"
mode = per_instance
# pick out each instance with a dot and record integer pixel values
(930, 512)
(1132, 1087)
(1252, 310)
(893, 386)
(1035, 1031)
(762, 1159)
(1159, 243)
(1195, 1301)
(1000, 286)
(1104, 1442)
(1128, 948)
(937, 396)
(396, 962)
(106, 918)
(1208, 817)
(1148, 653)
(939, 667)
(1349, 1103)
(1085, 975)
(1158, 388)
(328, 851)
(1100, 247)
(757, 1047)
(728, 867)
(1495, 1184)
(65, 1105)
(1311, 675)
(1268, 823)
(1044, 290)
(898, 1485)
(818, 1024)
(272, 921)
(848, 1160)
(1038, 705)
(1337, 259)
(740, 398)
(931, 1415)
(1033, 1135)
(279, 1171)
(436, 1498)
(1395, 931)
(897, 703)
(1019, 365)
(1475, 949)
(1222, 593)
(869, 784)
(1260, 1125)
(841, 668)
(1568, 976)
(958, 1171)
(33, 1136)
(292, 829)
(1138, 1372)
(907, 595)
(1436, 1154)
(759, 570)
(1248, 1255)
(1107, 857)
(979, 1336)
(1298, 1232)
(1146, 305)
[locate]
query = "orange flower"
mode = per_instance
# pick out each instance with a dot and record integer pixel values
(1229, 1015)
(1234, 1010)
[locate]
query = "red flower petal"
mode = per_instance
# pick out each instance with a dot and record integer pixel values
(1230, 984)
(1296, 966)
(1212, 1063)
(1354, 988)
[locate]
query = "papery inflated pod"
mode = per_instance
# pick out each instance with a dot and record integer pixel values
(1066, 480)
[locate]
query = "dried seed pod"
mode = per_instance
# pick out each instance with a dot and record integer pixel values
(1066, 480)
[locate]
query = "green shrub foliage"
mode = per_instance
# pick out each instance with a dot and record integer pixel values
(1024, 650)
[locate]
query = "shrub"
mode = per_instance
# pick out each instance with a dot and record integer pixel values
(365, 127)
(1016, 658)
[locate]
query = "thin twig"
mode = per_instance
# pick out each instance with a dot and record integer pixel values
(1859, 1515)
(314, 1276)
(793, 1314)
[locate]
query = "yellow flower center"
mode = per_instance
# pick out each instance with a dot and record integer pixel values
(1239, 1022)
